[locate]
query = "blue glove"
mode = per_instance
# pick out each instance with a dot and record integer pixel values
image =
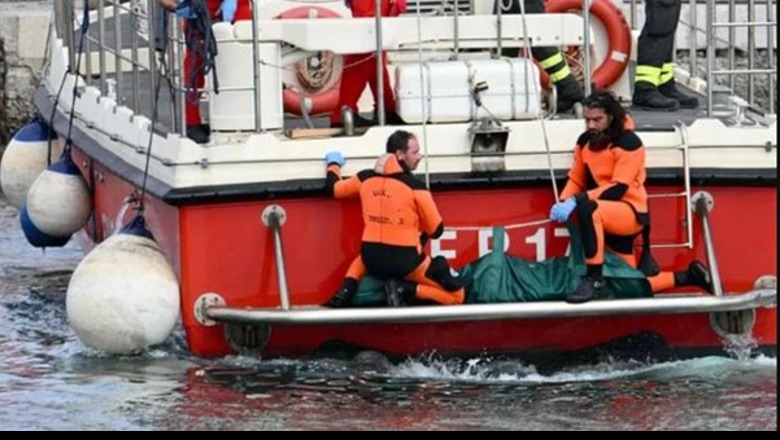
(335, 157)
(561, 211)
(228, 9)
(183, 10)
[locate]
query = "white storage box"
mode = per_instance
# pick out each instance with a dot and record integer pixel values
(514, 90)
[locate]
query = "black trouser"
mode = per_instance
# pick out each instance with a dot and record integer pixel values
(656, 42)
(548, 57)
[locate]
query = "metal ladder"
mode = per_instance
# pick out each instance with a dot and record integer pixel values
(683, 148)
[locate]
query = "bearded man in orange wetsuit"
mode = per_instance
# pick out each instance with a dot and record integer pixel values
(606, 186)
(361, 68)
(399, 216)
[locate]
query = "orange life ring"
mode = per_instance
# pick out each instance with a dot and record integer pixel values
(324, 101)
(618, 32)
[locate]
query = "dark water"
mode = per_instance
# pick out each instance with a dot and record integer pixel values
(49, 381)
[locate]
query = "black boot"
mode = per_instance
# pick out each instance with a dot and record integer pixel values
(400, 293)
(648, 97)
(670, 90)
(357, 121)
(199, 133)
(570, 92)
(343, 297)
(588, 289)
(393, 119)
(696, 275)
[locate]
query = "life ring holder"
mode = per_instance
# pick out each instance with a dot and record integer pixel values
(618, 34)
(324, 101)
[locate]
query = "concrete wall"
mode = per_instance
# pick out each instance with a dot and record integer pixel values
(24, 26)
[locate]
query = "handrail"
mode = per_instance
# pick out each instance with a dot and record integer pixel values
(665, 304)
(687, 181)
(703, 204)
(586, 5)
(274, 217)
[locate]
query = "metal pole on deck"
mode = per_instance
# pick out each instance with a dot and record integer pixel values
(771, 31)
(102, 47)
(704, 204)
(456, 30)
(256, 66)
(499, 30)
(118, 52)
(693, 40)
(67, 28)
(751, 51)
(136, 73)
(151, 16)
(586, 45)
(380, 82)
(710, 54)
(732, 37)
(88, 56)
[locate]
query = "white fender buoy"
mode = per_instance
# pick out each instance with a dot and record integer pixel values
(25, 158)
(124, 296)
(58, 204)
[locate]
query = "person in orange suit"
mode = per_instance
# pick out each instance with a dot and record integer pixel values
(399, 216)
(361, 68)
(606, 187)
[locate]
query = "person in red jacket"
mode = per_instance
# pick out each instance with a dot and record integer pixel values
(360, 69)
(194, 79)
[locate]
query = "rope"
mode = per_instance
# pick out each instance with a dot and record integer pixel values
(76, 76)
(203, 47)
(422, 100)
(163, 67)
(537, 93)
(506, 227)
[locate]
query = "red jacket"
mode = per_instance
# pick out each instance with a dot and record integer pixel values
(366, 8)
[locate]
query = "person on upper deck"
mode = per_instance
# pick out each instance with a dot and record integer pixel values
(606, 187)
(194, 62)
(550, 59)
(399, 216)
(360, 69)
(654, 87)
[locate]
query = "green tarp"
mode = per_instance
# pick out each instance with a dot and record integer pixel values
(499, 278)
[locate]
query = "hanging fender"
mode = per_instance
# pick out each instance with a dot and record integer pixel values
(323, 101)
(618, 34)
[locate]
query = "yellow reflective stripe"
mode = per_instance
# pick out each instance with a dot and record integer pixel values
(560, 75)
(648, 74)
(552, 61)
(667, 73)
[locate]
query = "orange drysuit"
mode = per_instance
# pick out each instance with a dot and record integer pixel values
(398, 213)
(612, 210)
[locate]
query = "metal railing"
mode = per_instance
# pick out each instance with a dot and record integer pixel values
(713, 39)
(770, 70)
(125, 59)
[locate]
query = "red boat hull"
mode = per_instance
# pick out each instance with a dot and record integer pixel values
(224, 248)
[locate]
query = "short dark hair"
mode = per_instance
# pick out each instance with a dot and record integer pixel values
(606, 100)
(399, 141)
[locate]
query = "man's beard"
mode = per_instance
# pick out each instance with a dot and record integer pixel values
(598, 140)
